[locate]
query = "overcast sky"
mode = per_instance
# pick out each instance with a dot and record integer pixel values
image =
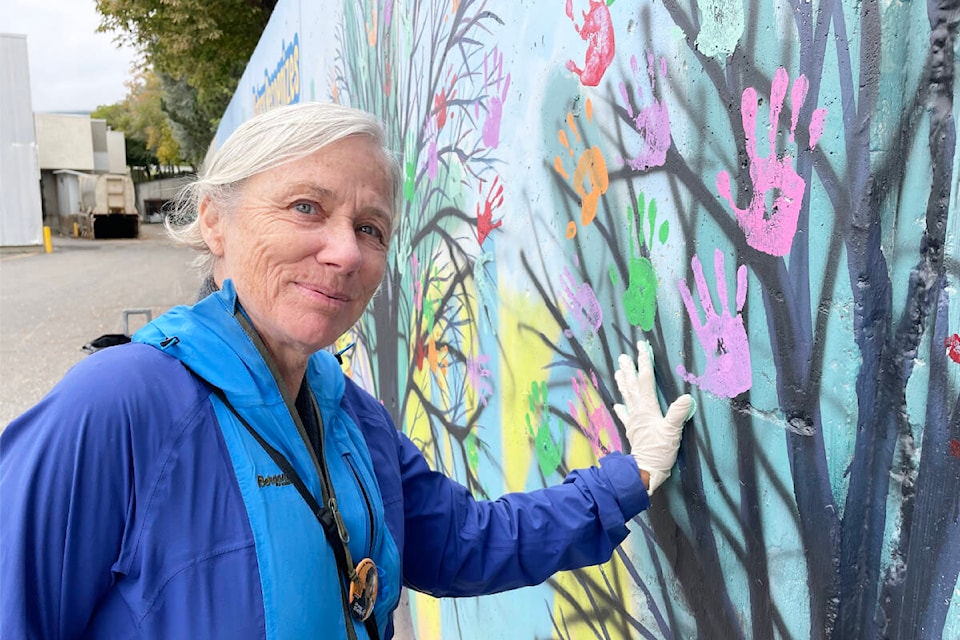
(72, 67)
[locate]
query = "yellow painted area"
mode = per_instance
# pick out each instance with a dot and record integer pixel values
(427, 616)
(619, 580)
(579, 452)
(523, 359)
(417, 423)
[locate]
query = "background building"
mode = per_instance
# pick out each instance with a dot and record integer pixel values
(21, 220)
(58, 170)
(84, 176)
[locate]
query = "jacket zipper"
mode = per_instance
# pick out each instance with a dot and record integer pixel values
(367, 502)
(326, 486)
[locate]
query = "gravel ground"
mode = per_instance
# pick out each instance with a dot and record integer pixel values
(52, 304)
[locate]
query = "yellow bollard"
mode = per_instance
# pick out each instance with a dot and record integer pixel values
(76, 230)
(47, 244)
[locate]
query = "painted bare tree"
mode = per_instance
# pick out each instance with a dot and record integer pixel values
(855, 589)
(425, 69)
(421, 67)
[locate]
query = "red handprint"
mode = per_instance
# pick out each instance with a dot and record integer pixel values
(443, 97)
(494, 200)
(772, 231)
(952, 345)
(597, 31)
(722, 336)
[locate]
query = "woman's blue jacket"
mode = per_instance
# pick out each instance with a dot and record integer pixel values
(136, 505)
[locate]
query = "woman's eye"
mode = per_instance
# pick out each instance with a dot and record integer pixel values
(305, 207)
(370, 230)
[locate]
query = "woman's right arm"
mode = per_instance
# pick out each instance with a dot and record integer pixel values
(66, 493)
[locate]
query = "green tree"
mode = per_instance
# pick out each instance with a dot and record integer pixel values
(201, 46)
(189, 118)
(149, 132)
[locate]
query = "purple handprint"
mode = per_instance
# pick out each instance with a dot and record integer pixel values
(772, 231)
(478, 376)
(722, 337)
(651, 121)
(582, 302)
(493, 79)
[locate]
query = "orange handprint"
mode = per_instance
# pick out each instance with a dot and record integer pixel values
(590, 178)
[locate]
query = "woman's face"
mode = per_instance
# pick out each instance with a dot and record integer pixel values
(306, 244)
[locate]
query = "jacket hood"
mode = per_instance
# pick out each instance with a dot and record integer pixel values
(208, 339)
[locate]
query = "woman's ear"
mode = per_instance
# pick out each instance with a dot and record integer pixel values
(211, 227)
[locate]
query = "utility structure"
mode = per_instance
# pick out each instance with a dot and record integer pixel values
(85, 182)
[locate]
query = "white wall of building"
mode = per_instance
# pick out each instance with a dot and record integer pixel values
(98, 129)
(116, 152)
(65, 141)
(21, 218)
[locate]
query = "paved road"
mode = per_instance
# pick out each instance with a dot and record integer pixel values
(53, 304)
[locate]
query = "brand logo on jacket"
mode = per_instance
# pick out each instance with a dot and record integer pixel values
(278, 480)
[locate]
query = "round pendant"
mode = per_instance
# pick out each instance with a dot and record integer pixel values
(363, 589)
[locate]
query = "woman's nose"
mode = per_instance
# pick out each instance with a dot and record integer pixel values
(340, 246)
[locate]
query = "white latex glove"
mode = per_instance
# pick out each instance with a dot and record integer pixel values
(654, 437)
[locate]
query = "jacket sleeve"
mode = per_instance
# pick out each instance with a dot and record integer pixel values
(67, 490)
(458, 546)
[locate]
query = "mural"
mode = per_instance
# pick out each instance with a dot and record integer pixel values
(767, 192)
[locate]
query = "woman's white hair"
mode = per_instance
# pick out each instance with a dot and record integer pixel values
(264, 142)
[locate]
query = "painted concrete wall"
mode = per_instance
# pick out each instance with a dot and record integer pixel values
(767, 192)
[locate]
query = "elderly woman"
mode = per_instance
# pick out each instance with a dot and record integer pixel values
(220, 477)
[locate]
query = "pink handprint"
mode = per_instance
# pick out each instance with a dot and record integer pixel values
(772, 231)
(593, 418)
(494, 105)
(652, 121)
(494, 200)
(722, 336)
(597, 31)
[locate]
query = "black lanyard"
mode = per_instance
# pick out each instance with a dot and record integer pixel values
(329, 518)
(328, 515)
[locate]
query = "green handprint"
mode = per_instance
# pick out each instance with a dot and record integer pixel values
(548, 453)
(640, 297)
(410, 181)
(472, 446)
